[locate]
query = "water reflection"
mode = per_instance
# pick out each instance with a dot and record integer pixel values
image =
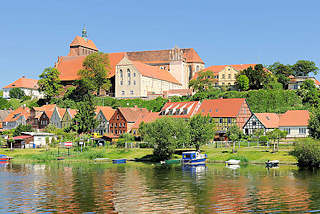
(145, 188)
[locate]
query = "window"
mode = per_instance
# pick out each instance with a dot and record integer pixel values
(254, 123)
(134, 74)
(129, 82)
(115, 125)
(223, 76)
(134, 82)
(118, 117)
(116, 132)
(119, 125)
(229, 76)
(131, 92)
(121, 82)
(302, 130)
(295, 86)
(288, 130)
(129, 73)
(121, 73)
(111, 125)
(122, 92)
(220, 120)
(123, 125)
(229, 120)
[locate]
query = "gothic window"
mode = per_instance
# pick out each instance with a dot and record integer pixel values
(129, 73)
(121, 73)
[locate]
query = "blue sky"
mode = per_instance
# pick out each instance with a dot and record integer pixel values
(35, 32)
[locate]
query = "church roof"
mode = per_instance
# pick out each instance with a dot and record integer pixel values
(80, 41)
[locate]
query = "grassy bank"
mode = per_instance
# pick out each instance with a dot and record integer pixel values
(250, 155)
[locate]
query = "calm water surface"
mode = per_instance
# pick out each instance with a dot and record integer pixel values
(147, 188)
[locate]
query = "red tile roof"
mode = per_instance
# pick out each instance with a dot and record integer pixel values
(132, 114)
(191, 108)
(16, 114)
(68, 66)
(182, 92)
(107, 111)
(22, 137)
(146, 117)
(154, 72)
(294, 118)
(221, 107)
(24, 83)
(49, 107)
(269, 120)
(80, 41)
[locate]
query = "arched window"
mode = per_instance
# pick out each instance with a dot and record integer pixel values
(121, 73)
(197, 68)
(129, 73)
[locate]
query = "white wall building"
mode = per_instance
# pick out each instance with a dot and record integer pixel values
(28, 86)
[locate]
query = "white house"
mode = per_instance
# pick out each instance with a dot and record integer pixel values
(39, 139)
(28, 86)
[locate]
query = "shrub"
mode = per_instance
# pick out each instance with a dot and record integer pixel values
(307, 153)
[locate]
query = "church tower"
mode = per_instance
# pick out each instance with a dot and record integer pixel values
(82, 46)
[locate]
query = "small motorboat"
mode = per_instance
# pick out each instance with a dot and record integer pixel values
(233, 167)
(193, 158)
(118, 161)
(270, 164)
(171, 161)
(232, 162)
(4, 158)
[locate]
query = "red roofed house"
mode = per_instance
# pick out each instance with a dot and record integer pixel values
(123, 119)
(104, 114)
(226, 74)
(40, 116)
(226, 112)
(180, 63)
(295, 82)
(147, 117)
(295, 122)
(28, 86)
(67, 118)
(56, 116)
(16, 117)
(180, 109)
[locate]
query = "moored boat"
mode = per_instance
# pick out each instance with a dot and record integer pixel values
(193, 158)
(4, 158)
(171, 161)
(117, 161)
(270, 164)
(232, 162)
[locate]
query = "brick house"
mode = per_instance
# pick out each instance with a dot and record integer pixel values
(104, 114)
(40, 116)
(123, 119)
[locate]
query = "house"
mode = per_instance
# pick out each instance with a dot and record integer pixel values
(40, 116)
(225, 74)
(67, 118)
(180, 63)
(104, 114)
(39, 139)
(135, 79)
(295, 82)
(124, 118)
(264, 121)
(28, 86)
(56, 117)
(3, 115)
(146, 117)
(180, 109)
(20, 142)
(16, 117)
(226, 112)
(295, 122)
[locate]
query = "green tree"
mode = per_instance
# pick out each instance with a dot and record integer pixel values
(205, 80)
(234, 134)
(242, 82)
(49, 83)
(16, 93)
(282, 72)
(22, 128)
(257, 76)
(314, 123)
(95, 72)
(124, 139)
(304, 67)
(309, 93)
(166, 134)
(274, 135)
(4, 104)
(201, 130)
(84, 120)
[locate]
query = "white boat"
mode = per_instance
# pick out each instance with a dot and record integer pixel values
(193, 158)
(232, 162)
(273, 163)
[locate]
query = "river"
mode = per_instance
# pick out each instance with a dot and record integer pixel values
(149, 188)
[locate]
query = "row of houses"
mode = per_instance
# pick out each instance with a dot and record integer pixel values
(114, 122)
(141, 74)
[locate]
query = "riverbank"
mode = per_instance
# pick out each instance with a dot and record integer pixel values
(246, 155)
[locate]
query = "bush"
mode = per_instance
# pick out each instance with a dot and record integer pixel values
(307, 153)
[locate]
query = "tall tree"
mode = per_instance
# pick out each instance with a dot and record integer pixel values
(205, 80)
(166, 134)
(242, 82)
(314, 123)
(49, 83)
(309, 93)
(257, 76)
(22, 128)
(84, 121)
(304, 67)
(201, 130)
(16, 93)
(95, 73)
(282, 72)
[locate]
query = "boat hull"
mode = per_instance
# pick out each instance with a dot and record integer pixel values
(194, 162)
(119, 161)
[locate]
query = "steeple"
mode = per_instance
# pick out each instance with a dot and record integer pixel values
(84, 33)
